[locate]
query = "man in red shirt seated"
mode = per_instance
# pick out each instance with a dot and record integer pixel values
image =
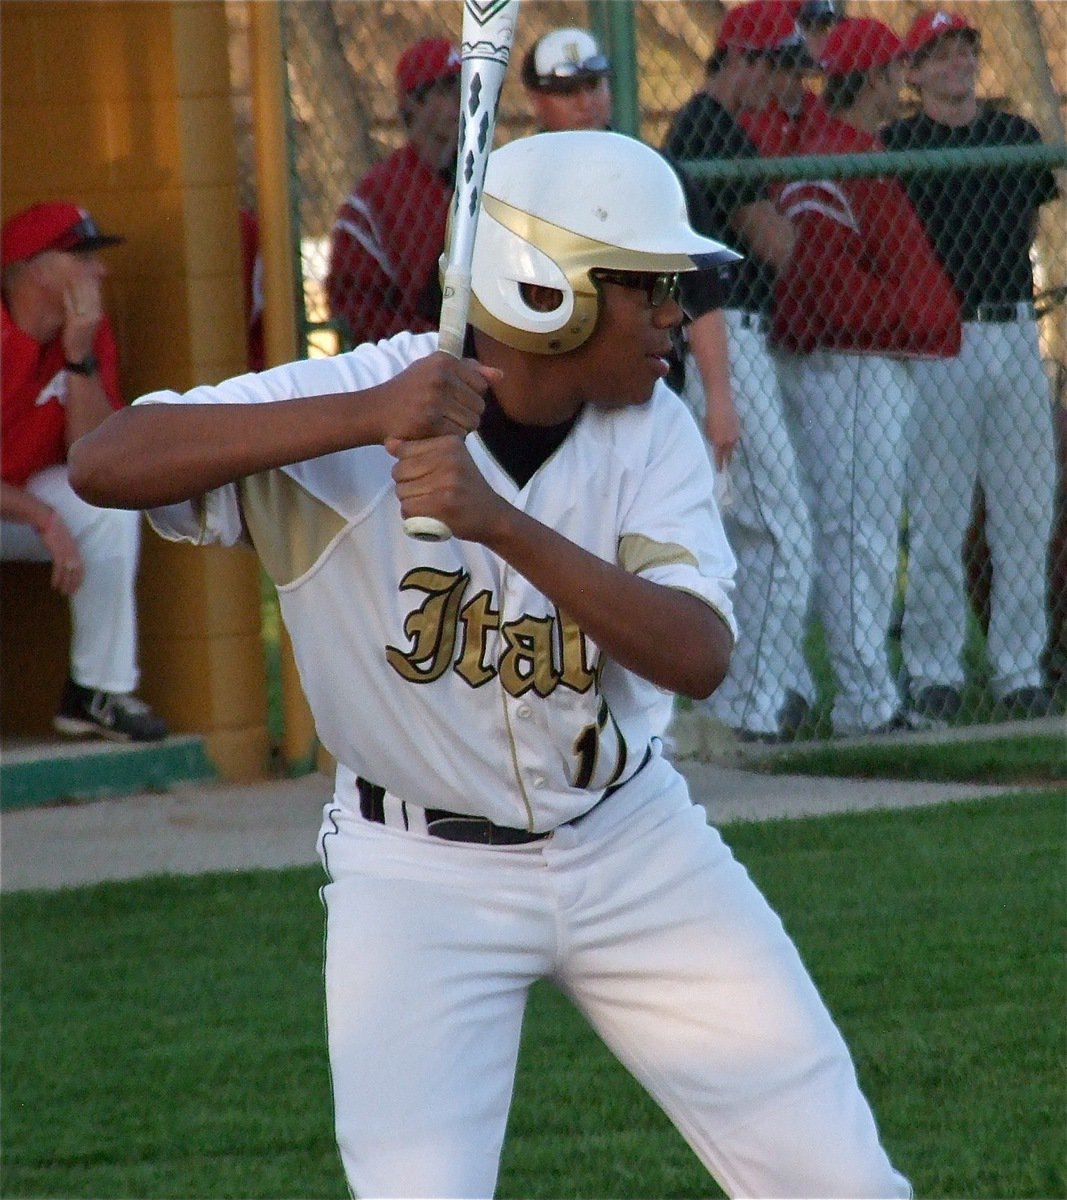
(60, 380)
(390, 232)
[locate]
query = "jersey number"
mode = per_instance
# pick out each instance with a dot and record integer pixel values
(587, 749)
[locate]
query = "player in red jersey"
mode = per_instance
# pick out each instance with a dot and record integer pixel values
(863, 293)
(390, 232)
(793, 110)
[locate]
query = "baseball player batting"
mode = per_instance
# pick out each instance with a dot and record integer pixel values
(502, 813)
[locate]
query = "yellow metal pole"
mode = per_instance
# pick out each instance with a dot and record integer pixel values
(279, 311)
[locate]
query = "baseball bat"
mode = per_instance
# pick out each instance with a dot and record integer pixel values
(485, 47)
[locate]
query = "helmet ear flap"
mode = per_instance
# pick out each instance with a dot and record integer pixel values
(506, 265)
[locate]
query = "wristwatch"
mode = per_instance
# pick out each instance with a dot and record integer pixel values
(88, 365)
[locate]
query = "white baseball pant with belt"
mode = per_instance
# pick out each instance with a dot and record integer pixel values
(432, 946)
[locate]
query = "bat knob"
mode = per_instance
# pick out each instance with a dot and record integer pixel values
(427, 529)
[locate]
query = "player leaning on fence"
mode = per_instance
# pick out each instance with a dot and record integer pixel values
(768, 690)
(985, 415)
(863, 293)
(501, 812)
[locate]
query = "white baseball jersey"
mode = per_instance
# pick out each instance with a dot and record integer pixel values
(436, 670)
(438, 673)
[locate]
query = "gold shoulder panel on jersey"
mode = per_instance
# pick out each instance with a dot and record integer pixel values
(289, 527)
(638, 553)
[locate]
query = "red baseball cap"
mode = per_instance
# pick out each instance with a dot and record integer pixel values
(929, 26)
(859, 44)
(55, 225)
(426, 62)
(766, 26)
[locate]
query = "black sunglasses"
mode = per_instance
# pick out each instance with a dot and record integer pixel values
(658, 286)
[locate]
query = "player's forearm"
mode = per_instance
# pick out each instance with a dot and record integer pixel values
(158, 454)
(710, 350)
(662, 634)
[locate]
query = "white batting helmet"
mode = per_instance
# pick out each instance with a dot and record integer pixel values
(557, 206)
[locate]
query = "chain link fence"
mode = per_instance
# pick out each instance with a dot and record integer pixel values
(897, 495)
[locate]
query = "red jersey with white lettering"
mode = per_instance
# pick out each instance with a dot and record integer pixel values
(33, 386)
(386, 245)
(864, 277)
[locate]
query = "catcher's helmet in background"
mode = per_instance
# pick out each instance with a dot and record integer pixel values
(557, 206)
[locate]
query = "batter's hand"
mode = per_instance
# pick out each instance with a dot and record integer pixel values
(68, 567)
(438, 396)
(436, 477)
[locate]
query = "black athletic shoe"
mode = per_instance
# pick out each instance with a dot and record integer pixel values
(935, 707)
(107, 714)
(899, 722)
(794, 717)
(1028, 703)
(759, 737)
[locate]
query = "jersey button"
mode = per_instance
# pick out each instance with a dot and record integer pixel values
(539, 781)
(524, 711)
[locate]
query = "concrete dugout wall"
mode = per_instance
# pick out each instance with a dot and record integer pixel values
(125, 108)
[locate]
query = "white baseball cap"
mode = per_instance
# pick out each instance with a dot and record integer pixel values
(562, 56)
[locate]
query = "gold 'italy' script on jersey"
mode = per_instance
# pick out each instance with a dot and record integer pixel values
(449, 630)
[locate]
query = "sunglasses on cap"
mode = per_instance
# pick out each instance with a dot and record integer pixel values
(658, 286)
(598, 64)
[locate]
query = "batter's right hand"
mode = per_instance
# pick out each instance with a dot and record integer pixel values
(438, 396)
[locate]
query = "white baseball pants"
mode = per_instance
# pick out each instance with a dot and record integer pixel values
(769, 529)
(984, 415)
(643, 917)
(103, 642)
(852, 410)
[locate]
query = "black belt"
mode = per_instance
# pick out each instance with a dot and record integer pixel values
(998, 313)
(460, 827)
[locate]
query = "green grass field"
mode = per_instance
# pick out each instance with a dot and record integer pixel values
(1015, 761)
(164, 1038)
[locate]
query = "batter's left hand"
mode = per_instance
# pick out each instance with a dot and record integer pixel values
(436, 477)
